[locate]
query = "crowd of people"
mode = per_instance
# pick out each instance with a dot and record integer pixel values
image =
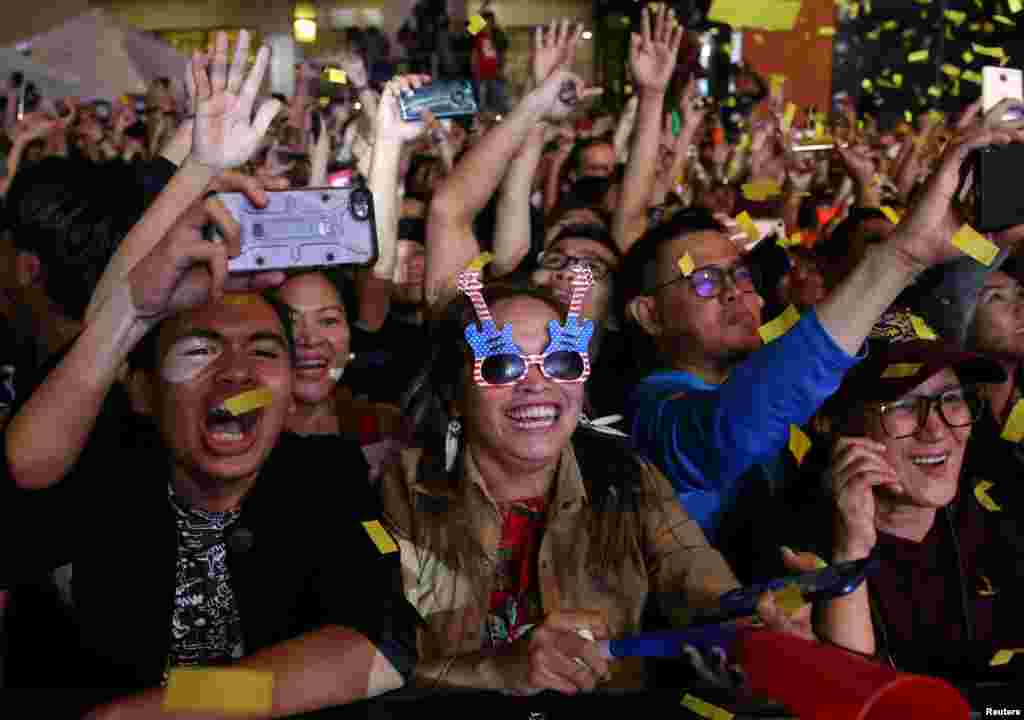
(576, 396)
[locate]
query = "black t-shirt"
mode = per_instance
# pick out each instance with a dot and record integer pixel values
(306, 558)
(386, 361)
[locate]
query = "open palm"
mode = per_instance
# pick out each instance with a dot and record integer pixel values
(225, 134)
(553, 48)
(653, 51)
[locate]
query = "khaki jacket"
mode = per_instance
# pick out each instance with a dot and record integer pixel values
(663, 551)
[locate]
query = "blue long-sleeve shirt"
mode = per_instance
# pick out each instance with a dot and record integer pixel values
(706, 437)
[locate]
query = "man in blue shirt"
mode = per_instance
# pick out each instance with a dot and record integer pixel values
(718, 417)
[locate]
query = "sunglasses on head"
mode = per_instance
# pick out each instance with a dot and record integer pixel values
(709, 281)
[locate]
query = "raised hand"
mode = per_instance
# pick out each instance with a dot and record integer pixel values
(225, 134)
(33, 127)
(653, 51)
(563, 93)
(858, 163)
(554, 48)
(858, 467)
(390, 126)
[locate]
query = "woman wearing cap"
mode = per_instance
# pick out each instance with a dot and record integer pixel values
(517, 527)
(940, 601)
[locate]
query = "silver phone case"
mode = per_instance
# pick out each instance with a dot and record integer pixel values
(315, 227)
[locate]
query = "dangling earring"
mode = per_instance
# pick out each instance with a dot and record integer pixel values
(451, 443)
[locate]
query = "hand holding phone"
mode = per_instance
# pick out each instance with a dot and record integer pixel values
(445, 99)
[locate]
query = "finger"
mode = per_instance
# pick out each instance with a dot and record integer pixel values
(218, 264)
(846, 460)
(264, 117)
(200, 77)
(218, 78)
(551, 36)
(645, 25)
(543, 677)
(799, 562)
(561, 659)
(969, 115)
(590, 93)
(254, 80)
(230, 229)
(571, 621)
(237, 73)
(538, 39)
(577, 35)
(190, 82)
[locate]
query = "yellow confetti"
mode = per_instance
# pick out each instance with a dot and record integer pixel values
(794, 240)
(237, 298)
(777, 81)
(787, 118)
(686, 265)
(866, 84)
(704, 708)
(789, 599)
(826, 31)
(780, 325)
(760, 191)
(1002, 19)
(908, 116)
(219, 690)
(748, 227)
(971, 76)
(476, 24)
(992, 52)
(248, 401)
(981, 492)
(923, 330)
(324, 101)
(951, 70)
(335, 75)
(956, 16)
(480, 262)
(799, 443)
(381, 537)
(897, 80)
(968, 56)
(917, 56)
(890, 25)
(892, 215)
(897, 371)
(730, 102)
(1003, 657)
(1015, 6)
(1014, 428)
(935, 91)
(971, 242)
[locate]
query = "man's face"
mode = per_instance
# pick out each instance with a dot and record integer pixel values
(999, 319)
(596, 304)
(207, 356)
(720, 329)
(928, 462)
(598, 160)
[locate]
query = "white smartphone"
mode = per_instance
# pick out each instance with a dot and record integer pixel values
(1000, 83)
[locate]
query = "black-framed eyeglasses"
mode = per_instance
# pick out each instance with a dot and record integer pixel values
(958, 407)
(554, 260)
(709, 281)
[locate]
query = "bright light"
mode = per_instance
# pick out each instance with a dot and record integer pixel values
(587, 35)
(358, 106)
(305, 30)
(498, 118)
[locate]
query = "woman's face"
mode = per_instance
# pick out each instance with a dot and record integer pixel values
(999, 319)
(928, 462)
(597, 303)
(528, 424)
(321, 335)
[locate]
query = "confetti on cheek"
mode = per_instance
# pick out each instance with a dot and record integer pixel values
(686, 265)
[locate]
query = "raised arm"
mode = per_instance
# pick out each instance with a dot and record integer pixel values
(225, 135)
(652, 59)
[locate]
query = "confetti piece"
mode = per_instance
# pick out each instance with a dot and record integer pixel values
(248, 401)
(1015, 6)
(220, 690)
(748, 227)
(1014, 429)
(1002, 19)
(799, 443)
(794, 240)
(968, 56)
(704, 708)
(971, 242)
(892, 215)
(981, 493)
(971, 76)
(992, 52)
(238, 298)
(787, 119)
(789, 599)
(730, 102)
(924, 332)
(324, 101)
(476, 24)
(917, 56)
(480, 262)
(761, 191)
(337, 76)
(1003, 657)
(897, 80)
(866, 84)
(826, 31)
(777, 81)
(956, 16)
(381, 538)
(908, 116)
(780, 325)
(901, 370)
(890, 25)
(951, 70)
(686, 265)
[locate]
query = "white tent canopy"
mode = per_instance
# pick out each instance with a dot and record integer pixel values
(104, 57)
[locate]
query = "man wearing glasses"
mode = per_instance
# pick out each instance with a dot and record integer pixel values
(716, 419)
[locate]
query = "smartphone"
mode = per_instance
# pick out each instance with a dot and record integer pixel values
(316, 227)
(998, 84)
(445, 99)
(996, 197)
(102, 109)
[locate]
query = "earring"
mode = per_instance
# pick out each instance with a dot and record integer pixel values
(451, 443)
